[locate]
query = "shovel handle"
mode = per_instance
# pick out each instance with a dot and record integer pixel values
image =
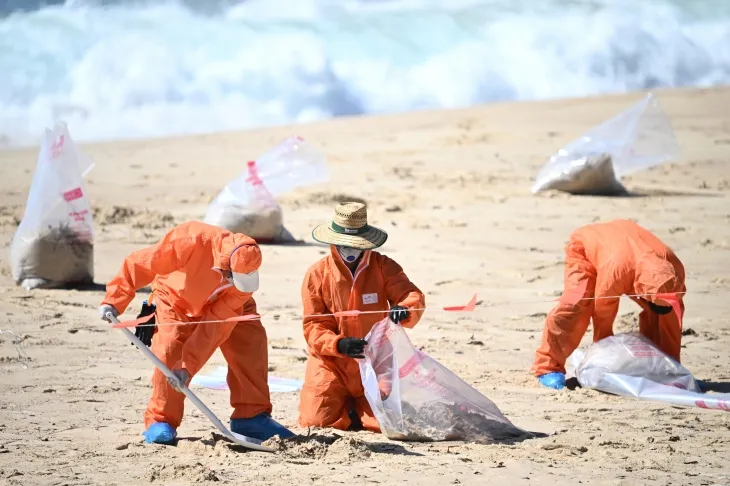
(183, 388)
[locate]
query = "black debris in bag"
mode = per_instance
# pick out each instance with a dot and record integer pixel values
(53, 246)
(414, 397)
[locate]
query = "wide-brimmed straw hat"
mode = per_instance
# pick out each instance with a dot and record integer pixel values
(349, 227)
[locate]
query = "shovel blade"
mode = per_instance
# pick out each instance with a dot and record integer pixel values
(249, 442)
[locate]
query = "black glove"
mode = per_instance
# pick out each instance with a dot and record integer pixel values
(145, 331)
(659, 309)
(399, 313)
(352, 347)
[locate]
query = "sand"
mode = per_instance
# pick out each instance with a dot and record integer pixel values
(452, 188)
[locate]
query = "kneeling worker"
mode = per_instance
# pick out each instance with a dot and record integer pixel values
(612, 259)
(351, 277)
(198, 273)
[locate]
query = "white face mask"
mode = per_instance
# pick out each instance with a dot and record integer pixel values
(349, 255)
(245, 282)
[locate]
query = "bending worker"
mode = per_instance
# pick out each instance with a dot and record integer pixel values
(201, 272)
(351, 277)
(611, 259)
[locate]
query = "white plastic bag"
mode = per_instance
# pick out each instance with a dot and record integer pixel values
(414, 397)
(247, 204)
(630, 354)
(54, 243)
(631, 365)
(636, 139)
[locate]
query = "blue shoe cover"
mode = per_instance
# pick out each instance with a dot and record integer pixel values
(261, 427)
(160, 433)
(552, 380)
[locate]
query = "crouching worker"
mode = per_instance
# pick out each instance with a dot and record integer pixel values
(201, 272)
(351, 277)
(612, 259)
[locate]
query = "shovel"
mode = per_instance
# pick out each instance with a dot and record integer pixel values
(248, 442)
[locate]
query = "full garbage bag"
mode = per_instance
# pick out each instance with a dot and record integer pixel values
(54, 243)
(631, 365)
(414, 397)
(635, 139)
(248, 205)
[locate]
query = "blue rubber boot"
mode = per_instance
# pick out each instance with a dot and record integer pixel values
(554, 380)
(160, 433)
(261, 427)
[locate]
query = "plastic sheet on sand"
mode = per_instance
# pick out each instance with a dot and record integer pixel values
(631, 365)
(217, 381)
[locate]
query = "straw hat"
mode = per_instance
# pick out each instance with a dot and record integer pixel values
(349, 227)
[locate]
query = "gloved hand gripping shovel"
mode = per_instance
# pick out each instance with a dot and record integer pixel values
(239, 439)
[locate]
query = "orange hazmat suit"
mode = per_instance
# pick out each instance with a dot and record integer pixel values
(185, 270)
(332, 384)
(612, 259)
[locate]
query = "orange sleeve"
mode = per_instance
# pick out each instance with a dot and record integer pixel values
(320, 332)
(401, 291)
(141, 267)
(206, 338)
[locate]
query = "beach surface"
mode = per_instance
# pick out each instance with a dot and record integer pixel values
(452, 189)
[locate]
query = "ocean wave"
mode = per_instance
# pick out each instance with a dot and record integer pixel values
(118, 69)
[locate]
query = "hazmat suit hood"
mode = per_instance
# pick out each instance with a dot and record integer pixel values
(655, 275)
(248, 254)
(242, 256)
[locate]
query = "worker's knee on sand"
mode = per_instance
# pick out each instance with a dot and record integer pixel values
(328, 418)
(323, 410)
(366, 415)
(334, 410)
(324, 396)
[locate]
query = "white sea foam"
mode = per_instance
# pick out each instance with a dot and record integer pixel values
(141, 69)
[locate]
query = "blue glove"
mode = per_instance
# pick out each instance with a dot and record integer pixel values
(554, 379)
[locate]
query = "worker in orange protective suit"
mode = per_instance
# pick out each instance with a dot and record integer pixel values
(351, 277)
(198, 273)
(612, 259)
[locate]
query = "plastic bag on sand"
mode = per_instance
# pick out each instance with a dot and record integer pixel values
(631, 365)
(54, 243)
(636, 139)
(414, 397)
(247, 204)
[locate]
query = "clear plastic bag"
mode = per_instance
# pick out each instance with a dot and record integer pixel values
(414, 397)
(631, 365)
(635, 139)
(248, 205)
(54, 243)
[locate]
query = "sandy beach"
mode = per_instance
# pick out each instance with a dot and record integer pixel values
(452, 188)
